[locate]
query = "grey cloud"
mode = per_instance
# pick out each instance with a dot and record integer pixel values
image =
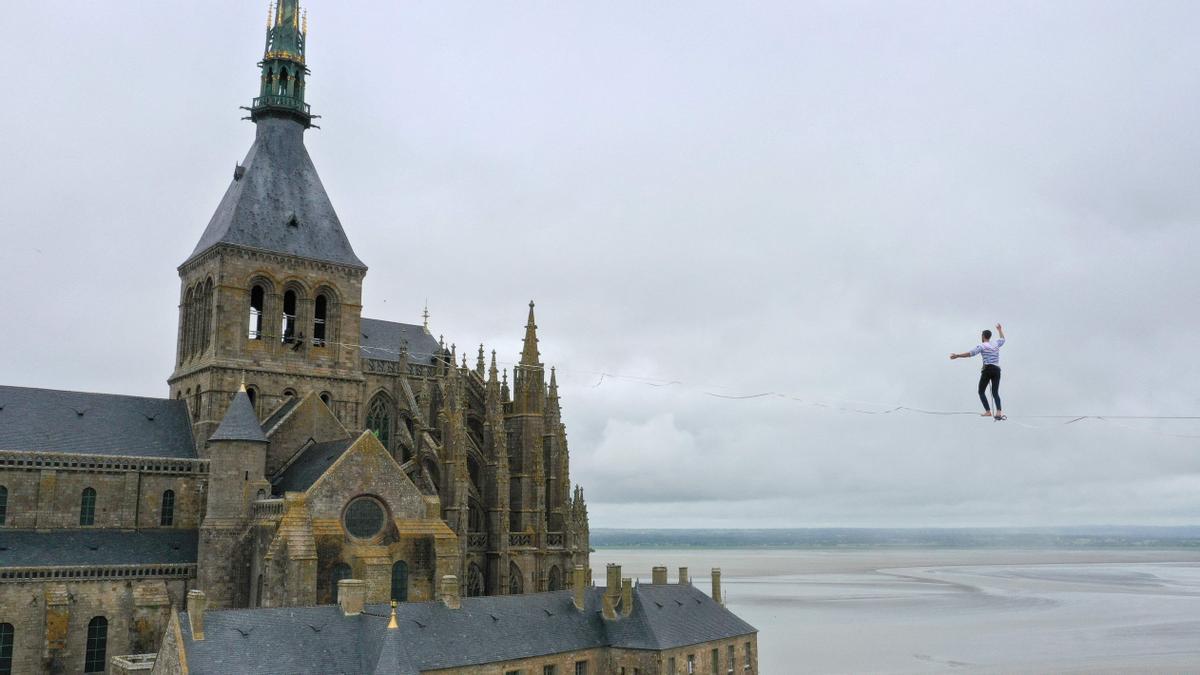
(822, 199)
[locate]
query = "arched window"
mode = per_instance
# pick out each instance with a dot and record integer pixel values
(289, 393)
(94, 660)
(166, 517)
(252, 394)
(475, 518)
(379, 419)
(258, 299)
(186, 327)
(475, 584)
(6, 648)
(400, 581)
(206, 316)
(554, 579)
(515, 584)
(320, 314)
(87, 507)
(3, 504)
(282, 82)
(340, 571)
(288, 328)
(327, 398)
(474, 473)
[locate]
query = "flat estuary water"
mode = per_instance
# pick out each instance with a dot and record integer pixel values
(952, 610)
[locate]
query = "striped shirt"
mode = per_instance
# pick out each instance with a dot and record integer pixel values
(990, 351)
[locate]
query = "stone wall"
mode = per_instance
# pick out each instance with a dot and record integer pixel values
(51, 619)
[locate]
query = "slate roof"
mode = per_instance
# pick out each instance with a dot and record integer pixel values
(309, 466)
(49, 420)
(280, 183)
(431, 637)
(382, 339)
(239, 423)
(27, 548)
(276, 417)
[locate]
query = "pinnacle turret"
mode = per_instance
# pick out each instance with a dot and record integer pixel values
(529, 350)
(283, 65)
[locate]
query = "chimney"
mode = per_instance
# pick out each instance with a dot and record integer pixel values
(450, 596)
(716, 576)
(578, 587)
(659, 575)
(197, 602)
(626, 596)
(683, 577)
(613, 587)
(608, 607)
(351, 595)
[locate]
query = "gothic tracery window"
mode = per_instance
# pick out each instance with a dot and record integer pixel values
(515, 584)
(379, 419)
(474, 581)
(554, 579)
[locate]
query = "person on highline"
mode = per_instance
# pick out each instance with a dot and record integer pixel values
(991, 370)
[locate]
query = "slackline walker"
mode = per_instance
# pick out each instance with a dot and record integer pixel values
(991, 370)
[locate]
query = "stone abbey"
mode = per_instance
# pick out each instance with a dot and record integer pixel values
(310, 463)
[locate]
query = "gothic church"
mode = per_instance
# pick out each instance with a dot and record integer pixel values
(302, 443)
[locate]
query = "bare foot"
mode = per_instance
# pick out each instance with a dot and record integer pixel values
(986, 414)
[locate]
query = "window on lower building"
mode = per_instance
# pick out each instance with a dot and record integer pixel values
(691, 664)
(166, 516)
(732, 658)
(550, 670)
(715, 657)
(87, 507)
(6, 648)
(94, 660)
(340, 571)
(671, 666)
(749, 659)
(581, 668)
(400, 581)
(512, 672)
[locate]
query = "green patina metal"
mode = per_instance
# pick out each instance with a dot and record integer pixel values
(283, 68)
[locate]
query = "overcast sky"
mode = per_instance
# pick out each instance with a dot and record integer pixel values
(816, 199)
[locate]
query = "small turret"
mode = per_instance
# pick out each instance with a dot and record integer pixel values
(283, 67)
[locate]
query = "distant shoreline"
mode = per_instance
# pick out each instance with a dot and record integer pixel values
(1114, 537)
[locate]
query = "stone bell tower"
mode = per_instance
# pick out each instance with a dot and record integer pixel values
(271, 295)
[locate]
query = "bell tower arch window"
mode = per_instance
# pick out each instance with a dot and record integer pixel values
(320, 316)
(258, 300)
(206, 316)
(288, 327)
(186, 325)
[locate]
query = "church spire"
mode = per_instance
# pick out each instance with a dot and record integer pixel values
(529, 352)
(283, 66)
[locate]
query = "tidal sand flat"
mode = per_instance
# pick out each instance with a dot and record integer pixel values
(953, 610)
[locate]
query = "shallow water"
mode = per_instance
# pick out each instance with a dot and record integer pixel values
(952, 610)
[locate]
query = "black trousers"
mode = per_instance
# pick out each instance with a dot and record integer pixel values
(990, 373)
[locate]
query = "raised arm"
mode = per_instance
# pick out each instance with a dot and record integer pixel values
(1000, 331)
